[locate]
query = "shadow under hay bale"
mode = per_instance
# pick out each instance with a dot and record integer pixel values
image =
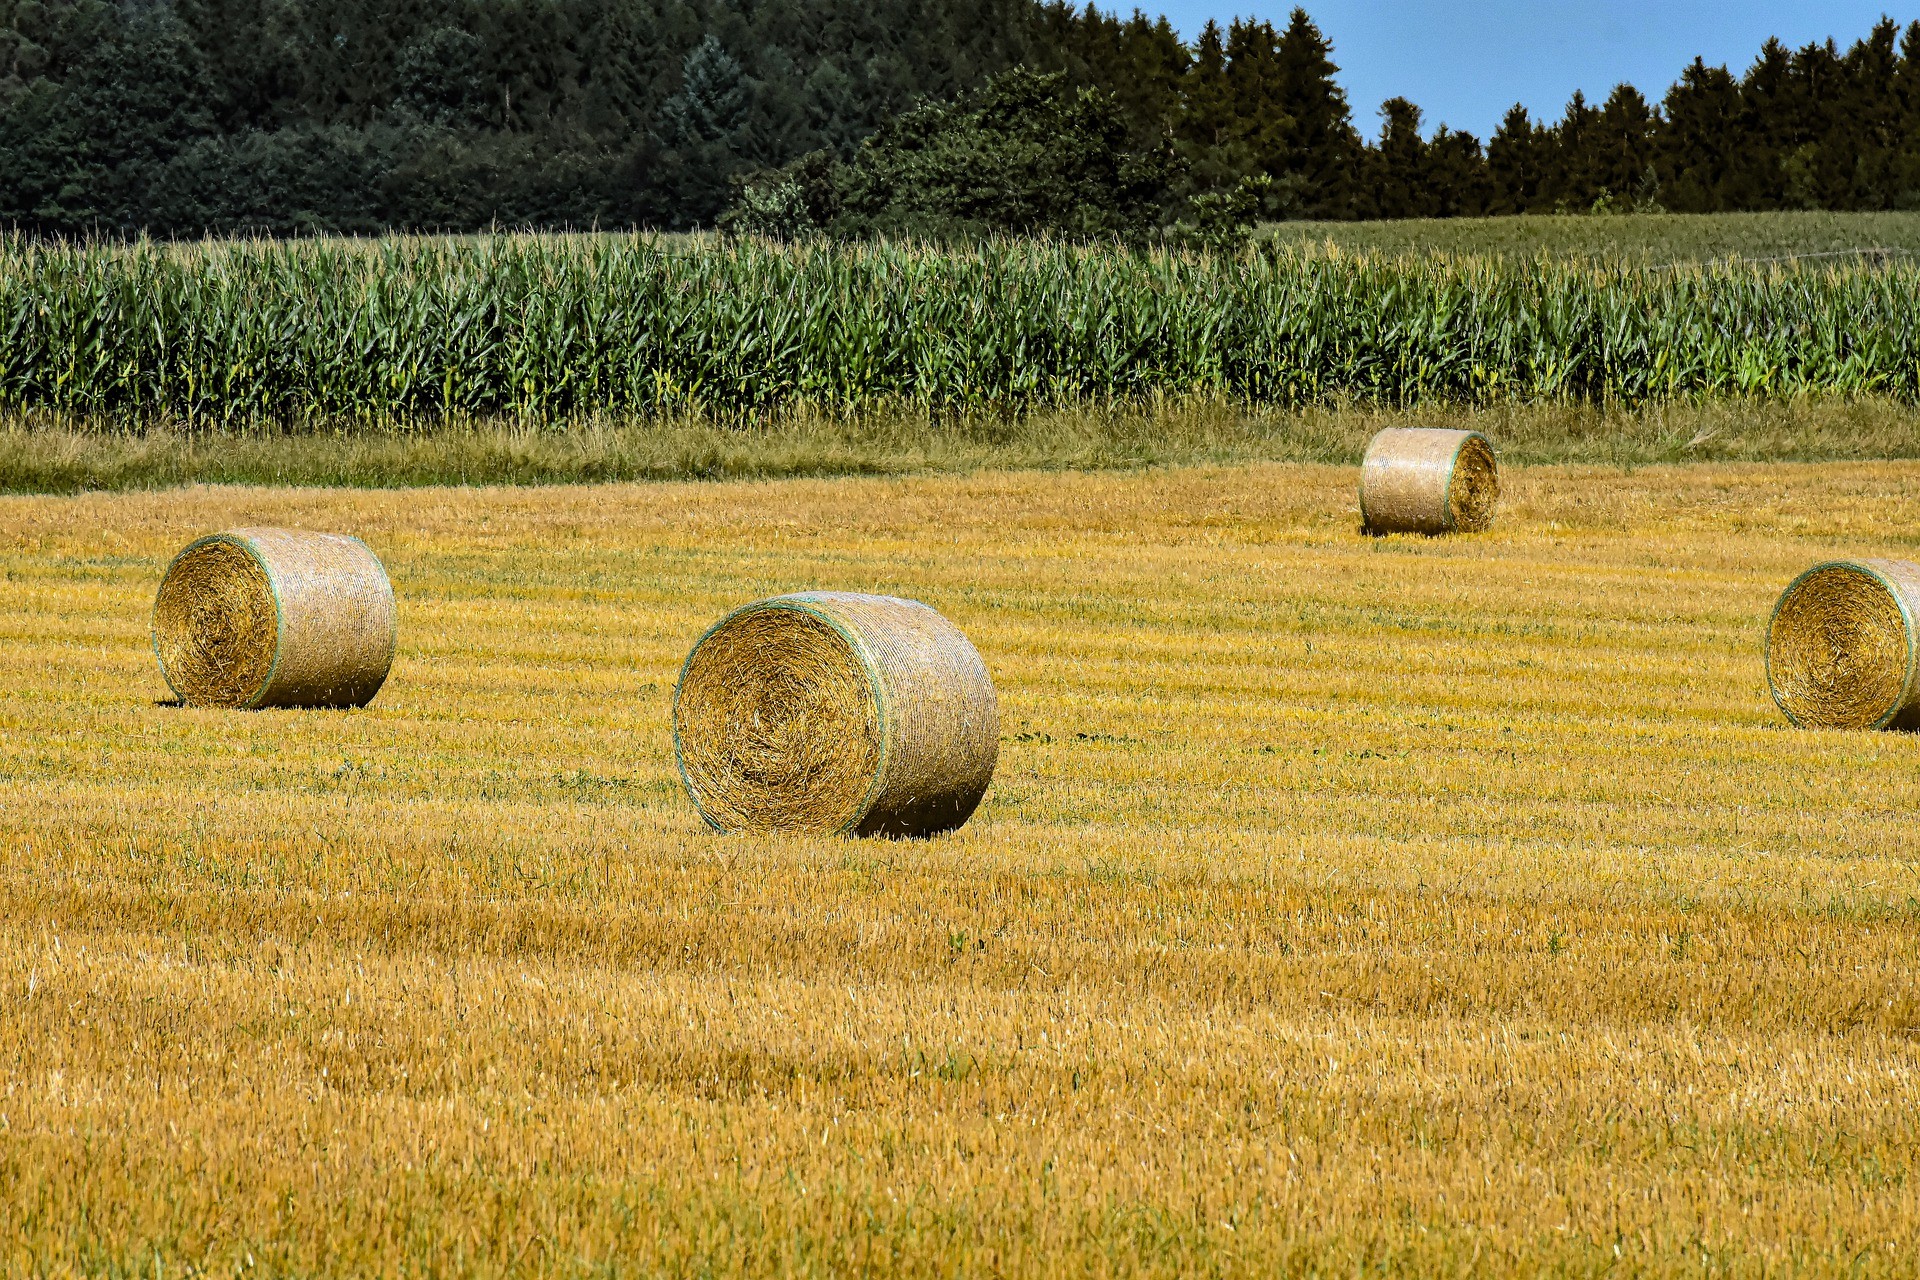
(1428, 480)
(835, 712)
(1842, 650)
(275, 618)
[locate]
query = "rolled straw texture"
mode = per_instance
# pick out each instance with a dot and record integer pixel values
(275, 618)
(1427, 480)
(834, 712)
(1842, 650)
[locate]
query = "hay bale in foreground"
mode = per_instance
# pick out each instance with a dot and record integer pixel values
(1842, 648)
(275, 618)
(833, 712)
(1426, 480)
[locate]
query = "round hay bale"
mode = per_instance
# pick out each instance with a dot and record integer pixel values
(1842, 650)
(834, 712)
(275, 618)
(1426, 480)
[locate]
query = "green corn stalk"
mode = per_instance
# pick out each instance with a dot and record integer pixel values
(549, 328)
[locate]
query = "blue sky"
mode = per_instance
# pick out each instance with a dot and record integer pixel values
(1465, 63)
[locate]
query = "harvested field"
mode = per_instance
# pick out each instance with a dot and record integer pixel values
(1417, 906)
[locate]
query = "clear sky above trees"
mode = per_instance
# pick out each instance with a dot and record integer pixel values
(1464, 62)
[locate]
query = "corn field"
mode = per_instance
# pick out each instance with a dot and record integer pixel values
(552, 327)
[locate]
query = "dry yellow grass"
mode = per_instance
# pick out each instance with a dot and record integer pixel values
(1340, 904)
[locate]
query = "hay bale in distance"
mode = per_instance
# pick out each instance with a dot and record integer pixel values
(1426, 480)
(834, 712)
(275, 618)
(1842, 648)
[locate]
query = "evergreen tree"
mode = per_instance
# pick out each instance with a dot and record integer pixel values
(1147, 79)
(1697, 145)
(1321, 146)
(1207, 117)
(1139, 61)
(1397, 186)
(1571, 181)
(1871, 116)
(712, 102)
(1457, 182)
(1257, 125)
(1903, 165)
(1517, 164)
(1769, 129)
(1820, 170)
(1621, 149)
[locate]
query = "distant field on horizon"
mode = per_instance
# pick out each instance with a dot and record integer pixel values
(1340, 906)
(1651, 238)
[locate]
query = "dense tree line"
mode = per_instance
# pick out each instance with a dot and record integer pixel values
(284, 116)
(287, 115)
(1812, 128)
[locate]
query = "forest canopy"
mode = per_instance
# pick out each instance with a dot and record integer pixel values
(293, 116)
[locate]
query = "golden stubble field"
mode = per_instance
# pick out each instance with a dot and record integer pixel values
(1340, 905)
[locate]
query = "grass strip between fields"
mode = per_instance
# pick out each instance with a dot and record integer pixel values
(41, 457)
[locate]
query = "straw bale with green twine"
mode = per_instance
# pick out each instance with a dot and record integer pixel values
(1842, 648)
(837, 713)
(275, 618)
(1428, 480)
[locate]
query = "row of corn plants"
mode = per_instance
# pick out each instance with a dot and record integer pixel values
(552, 327)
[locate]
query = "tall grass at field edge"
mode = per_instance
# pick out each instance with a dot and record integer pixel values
(38, 455)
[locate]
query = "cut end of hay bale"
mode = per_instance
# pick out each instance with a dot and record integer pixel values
(215, 624)
(1428, 480)
(838, 713)
(1840, 646)
(275, 618)
(778, 725)
(1474, 490)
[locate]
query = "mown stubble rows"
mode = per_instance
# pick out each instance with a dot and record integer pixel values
(1339, 903)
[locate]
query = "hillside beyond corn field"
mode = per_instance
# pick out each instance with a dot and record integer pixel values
(1415, 907)
(1644, 239)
